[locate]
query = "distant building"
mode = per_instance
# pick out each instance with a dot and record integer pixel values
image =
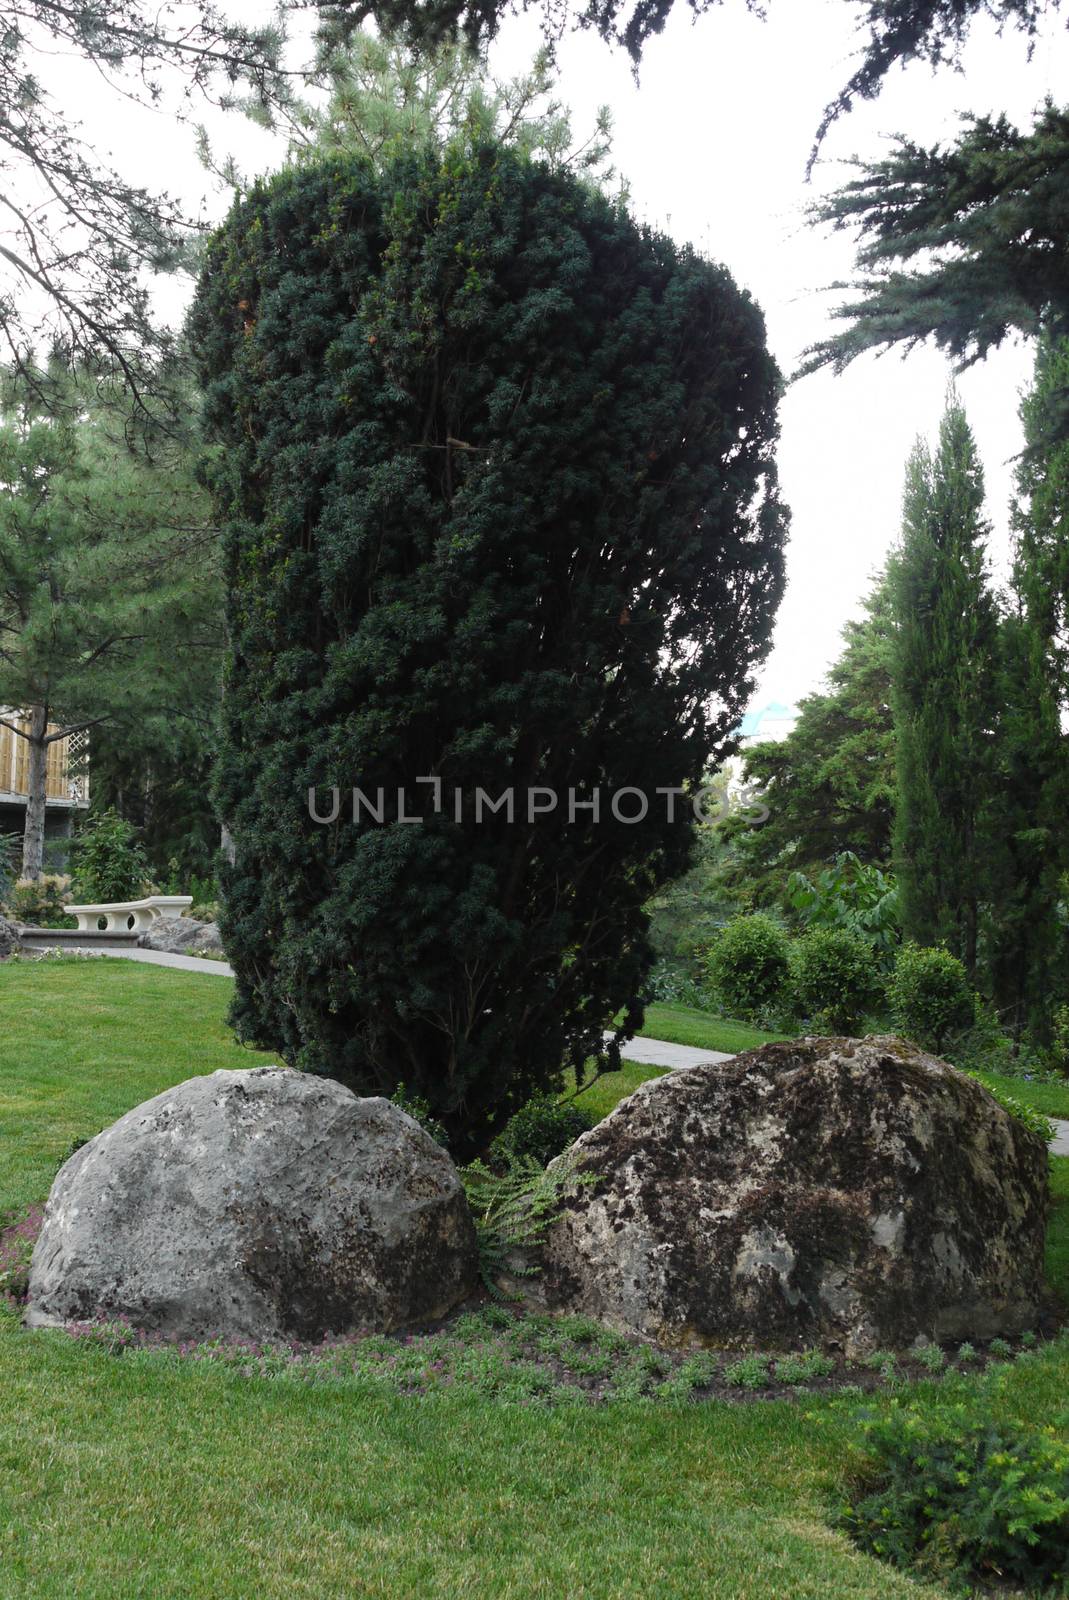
(774, 721)
(66, 784)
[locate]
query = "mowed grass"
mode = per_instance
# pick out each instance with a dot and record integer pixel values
(83, 1041)
(136, 1476)
(1052, 1099)
(685, 1025)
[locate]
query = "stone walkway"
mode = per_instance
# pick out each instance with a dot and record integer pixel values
(649, 1052)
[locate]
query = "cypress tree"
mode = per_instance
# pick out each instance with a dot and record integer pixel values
(1030, 844)
(943, 692)
(495, 471)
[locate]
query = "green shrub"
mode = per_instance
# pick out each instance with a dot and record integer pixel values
(930, 997)
(420, 1112)
(961, 1498)
(1059, 1049)
(540, 1130)
(107, 861)
(749, 966)
(836, 980)
(40, 903)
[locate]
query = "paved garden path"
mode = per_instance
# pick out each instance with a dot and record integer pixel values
(650, 1052)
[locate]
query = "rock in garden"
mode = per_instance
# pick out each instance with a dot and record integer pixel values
(9, 939)
(265, 1204)
(183, 936)
(851, 1193)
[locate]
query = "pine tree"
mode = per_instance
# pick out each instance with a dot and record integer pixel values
(966, 244)
(943, 693)
(495, 470)
(108, 607)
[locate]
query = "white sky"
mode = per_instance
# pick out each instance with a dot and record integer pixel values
(713, 141)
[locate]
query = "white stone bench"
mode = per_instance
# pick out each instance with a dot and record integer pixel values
(134, 915)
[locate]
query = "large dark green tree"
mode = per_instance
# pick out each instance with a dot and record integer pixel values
(495, 466)
(943, 675)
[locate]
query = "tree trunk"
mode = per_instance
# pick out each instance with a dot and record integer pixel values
(33, 841)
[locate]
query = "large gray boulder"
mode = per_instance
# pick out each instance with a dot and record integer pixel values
(9, 938)
(854, 1193)
(263, 1205)
(183, 936)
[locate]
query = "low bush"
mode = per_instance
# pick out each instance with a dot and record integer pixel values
(749, 967)
(540, 1130)
(836, 979)
(930, 997)
(41, 902)
(107, 861)
(420, 1112)
(961, 1498)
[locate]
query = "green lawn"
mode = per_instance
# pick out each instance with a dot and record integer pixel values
(136, 1475)
(685, 1025)
(1052, 1099)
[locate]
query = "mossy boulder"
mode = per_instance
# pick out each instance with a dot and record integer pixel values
(856, 1194)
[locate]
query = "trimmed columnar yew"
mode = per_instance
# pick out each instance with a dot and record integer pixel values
(495, 469)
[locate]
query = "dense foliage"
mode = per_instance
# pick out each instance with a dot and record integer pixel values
(965, 244)
(930, 997)
(749, 967)
(959, 1497)
(944, 672)
(109, 598)
(852, 897)
(1028, 947)
(836, 981)
(107, 860)
(541, 1130)
(496, 471)
(829, 786)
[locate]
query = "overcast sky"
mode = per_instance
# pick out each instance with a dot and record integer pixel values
(713, 140)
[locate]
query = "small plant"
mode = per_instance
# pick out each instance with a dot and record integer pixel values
(961, 1498)
(107, 861)
(836, 981)
(804, 1368)
(932, 1356)
(513, 1211)
(1001, 1349)
(930, 997)
(749, 966)
(1028, 1339)
(420, 1112)
(749, 1372)
(540, 1130)
(885, 1362)
(966, 1354)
